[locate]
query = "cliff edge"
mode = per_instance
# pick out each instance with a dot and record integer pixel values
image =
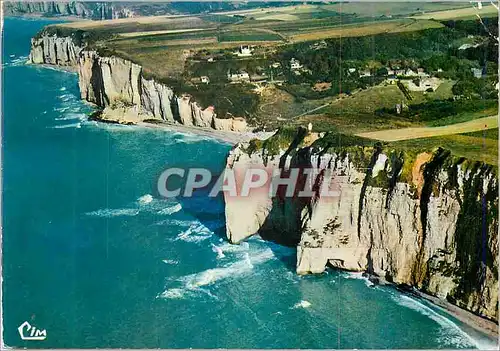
(119, 88)
(425, 219)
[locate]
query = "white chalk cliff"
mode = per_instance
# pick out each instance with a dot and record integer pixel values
(116, 84)
(429, 221)
(85, 9)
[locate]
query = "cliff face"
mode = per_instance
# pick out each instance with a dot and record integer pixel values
(54, 51)
(119, 87)
(429, 220)
(93, 10)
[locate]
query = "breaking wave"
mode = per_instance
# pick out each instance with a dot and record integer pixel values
(71, 125)
(171, 262)
(195, 233)
(177, 222)
(218, 250)
(198, 282)
(71, 116)
(170, 210)
(144, 204)
(145, 199)
(189, 138)
(302, 304)
(107, 213)
(20, 61)
(66, 97)
(359, 276)
(173, 294)
(450, 332)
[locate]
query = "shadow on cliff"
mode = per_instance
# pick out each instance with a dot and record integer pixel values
(284, 224)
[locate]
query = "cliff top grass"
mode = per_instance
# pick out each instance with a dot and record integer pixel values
(478, 146)
(291, 137)
(473, 147)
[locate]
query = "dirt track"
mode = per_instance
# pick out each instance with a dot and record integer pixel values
(426, 132)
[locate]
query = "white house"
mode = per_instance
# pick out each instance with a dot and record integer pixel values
(244, 50)
(410, 73)
(295, 64)
(205, 79)
(365, 73)
(240, 76)
(477, 72)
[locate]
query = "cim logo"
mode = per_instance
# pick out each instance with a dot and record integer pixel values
(30, 332)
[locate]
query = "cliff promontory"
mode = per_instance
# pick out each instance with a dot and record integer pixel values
(119, 87)
(426, 219)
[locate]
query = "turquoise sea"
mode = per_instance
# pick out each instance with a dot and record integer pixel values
(92, 255)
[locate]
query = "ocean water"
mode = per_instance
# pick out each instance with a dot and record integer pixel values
(92, 255)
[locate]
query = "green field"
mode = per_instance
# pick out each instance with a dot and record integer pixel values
(327, 39)
(487, 134)
(471, 147)
(247, 36)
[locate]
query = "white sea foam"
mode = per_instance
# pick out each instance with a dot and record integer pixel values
(177, 222)
(218, 251)
(71, 125)
(145, 199)
(71, 116)
(302, 304)
(170, 210)
(173, 294)
(359, 276)
(198, 282)
(21, 60)
(61, 109)
(235, 269)
(241, 247)
(450, 332)
(54, 68)
(111, 127)
(189, 138)
(195, 233)
(171, 262)
(108, 212)
(291, 276)
(66, 97)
